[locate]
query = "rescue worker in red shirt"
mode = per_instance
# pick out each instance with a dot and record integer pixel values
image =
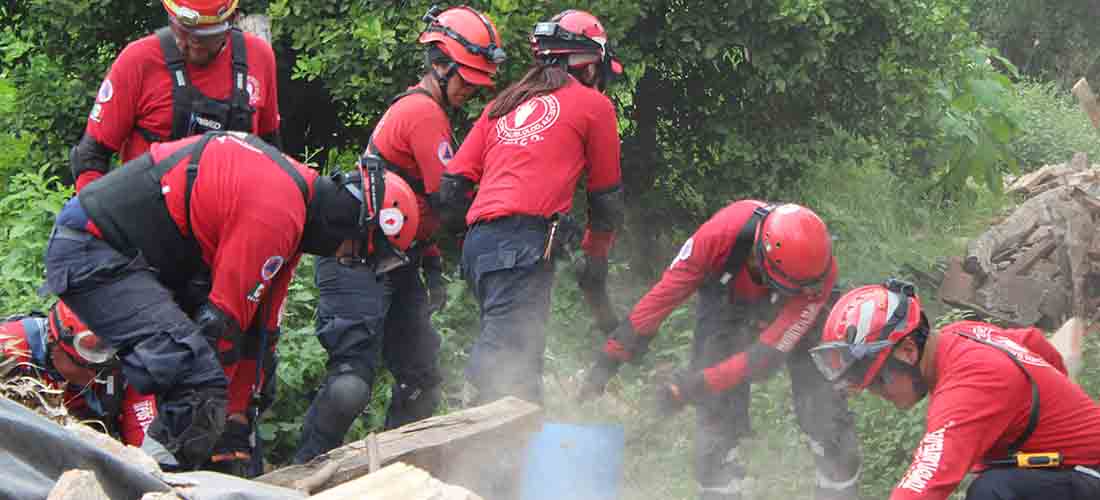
(59, 350)
(194, 75)
(123, 247)
(999, 400)
(526, 154)
(364, 318)
(763, 273)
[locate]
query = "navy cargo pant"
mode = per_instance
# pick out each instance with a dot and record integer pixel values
(123, 301)
(723, 329)
(363, 320)
(502, 262)
(1011, 483)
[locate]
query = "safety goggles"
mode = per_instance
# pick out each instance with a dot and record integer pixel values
(491, 53)
(207, 36)
(842, 361)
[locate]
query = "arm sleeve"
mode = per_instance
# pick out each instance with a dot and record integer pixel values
(138, 412)
(430, 142)
(603, 150)
(269, 119)
(679, 281)
(238, 285)
(469, 161)
(966, 416)
(112, 119)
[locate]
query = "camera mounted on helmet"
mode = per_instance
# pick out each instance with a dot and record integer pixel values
(576, 32)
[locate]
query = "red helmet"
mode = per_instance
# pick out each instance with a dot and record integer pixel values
(201, 17)
(74, 337)
(388, 207)
(793, 248)
(862, 329)
(574, 32)
(469, 38)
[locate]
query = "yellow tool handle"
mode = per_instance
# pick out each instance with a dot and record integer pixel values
(1038, 460)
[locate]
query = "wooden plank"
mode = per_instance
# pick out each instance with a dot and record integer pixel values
(1087, 100)
(397, 481)
(1023, 262)
(458, 448)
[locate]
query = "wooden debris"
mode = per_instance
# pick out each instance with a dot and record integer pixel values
(77, 484)
(1088, 101)
(1068, 342)
(397, 481)
(462, 448)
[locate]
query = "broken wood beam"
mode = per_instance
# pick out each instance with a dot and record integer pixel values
(460, 448)
(1087, 100)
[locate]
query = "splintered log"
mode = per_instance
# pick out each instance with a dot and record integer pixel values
(462, 448)
(1068, 342)
(77, 484)
(397, 481)
(1087, 100)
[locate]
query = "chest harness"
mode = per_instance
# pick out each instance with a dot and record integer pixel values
(193, 112)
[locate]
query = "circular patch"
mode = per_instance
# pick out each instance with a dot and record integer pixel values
(106, 91)
(529, 119)
(392, 220)
(253, 88)
(271, 267)
(444, 152)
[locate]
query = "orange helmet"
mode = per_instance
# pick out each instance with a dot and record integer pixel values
(74, 337)
(793, 248)
(467, 37)
(576, 32)
(201, 17)
(863, 328)
(388, 207)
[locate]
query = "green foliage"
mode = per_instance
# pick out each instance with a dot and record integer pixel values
(1053, 126)
(1055, 40)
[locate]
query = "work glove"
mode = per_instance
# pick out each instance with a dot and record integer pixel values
(592, 280)
(684, 388)
(433, 278)
(233, 452)
(592, 274)
(596, 378)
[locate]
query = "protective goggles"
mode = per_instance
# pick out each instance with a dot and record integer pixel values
(841, 361)
(205, 35)
(492, 52)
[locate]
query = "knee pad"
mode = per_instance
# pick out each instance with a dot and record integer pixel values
(345, 395)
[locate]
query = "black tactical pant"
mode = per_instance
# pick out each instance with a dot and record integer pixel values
(502, 262)
(1035, 484)
(723, 329)
(162, 351)
(364, 320)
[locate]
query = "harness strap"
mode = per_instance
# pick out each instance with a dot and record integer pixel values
(742, 246)
(1033, 417)
(240, 98)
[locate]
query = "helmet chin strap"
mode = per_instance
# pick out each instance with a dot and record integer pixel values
(442, 79)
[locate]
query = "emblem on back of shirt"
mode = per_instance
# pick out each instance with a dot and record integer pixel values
(528, 121)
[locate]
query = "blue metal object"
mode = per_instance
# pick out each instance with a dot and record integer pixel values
(579, 462)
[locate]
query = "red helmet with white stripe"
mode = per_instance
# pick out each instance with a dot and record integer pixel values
(201, 17)
(863, 328)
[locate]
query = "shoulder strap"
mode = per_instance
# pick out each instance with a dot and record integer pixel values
(417, 185)
(1033, 417)
(240, 97)
(742, 246)
(180, 83)
(281, 160)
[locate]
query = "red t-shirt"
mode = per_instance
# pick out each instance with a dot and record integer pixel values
(248, 217)
(703, 257)
(137, 92)
(415, 135)
(981, 402)
(528, 162)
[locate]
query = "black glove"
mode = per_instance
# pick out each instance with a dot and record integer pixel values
(625, 344)
(592, 274)
(234, 450)
(683, 389)
(433, 278)
(215, 324)
(595, 380)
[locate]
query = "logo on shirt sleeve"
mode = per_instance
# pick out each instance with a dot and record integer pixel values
(271, 267)
(926, 461)
(106, 91)
(253, 88)
(97, 113)
(444, 152)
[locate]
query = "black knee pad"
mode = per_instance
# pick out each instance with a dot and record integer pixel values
(344, 396)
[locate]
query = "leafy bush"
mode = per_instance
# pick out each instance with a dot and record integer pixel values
(1053, 126)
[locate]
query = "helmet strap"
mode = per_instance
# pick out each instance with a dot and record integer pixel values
(442, 80)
